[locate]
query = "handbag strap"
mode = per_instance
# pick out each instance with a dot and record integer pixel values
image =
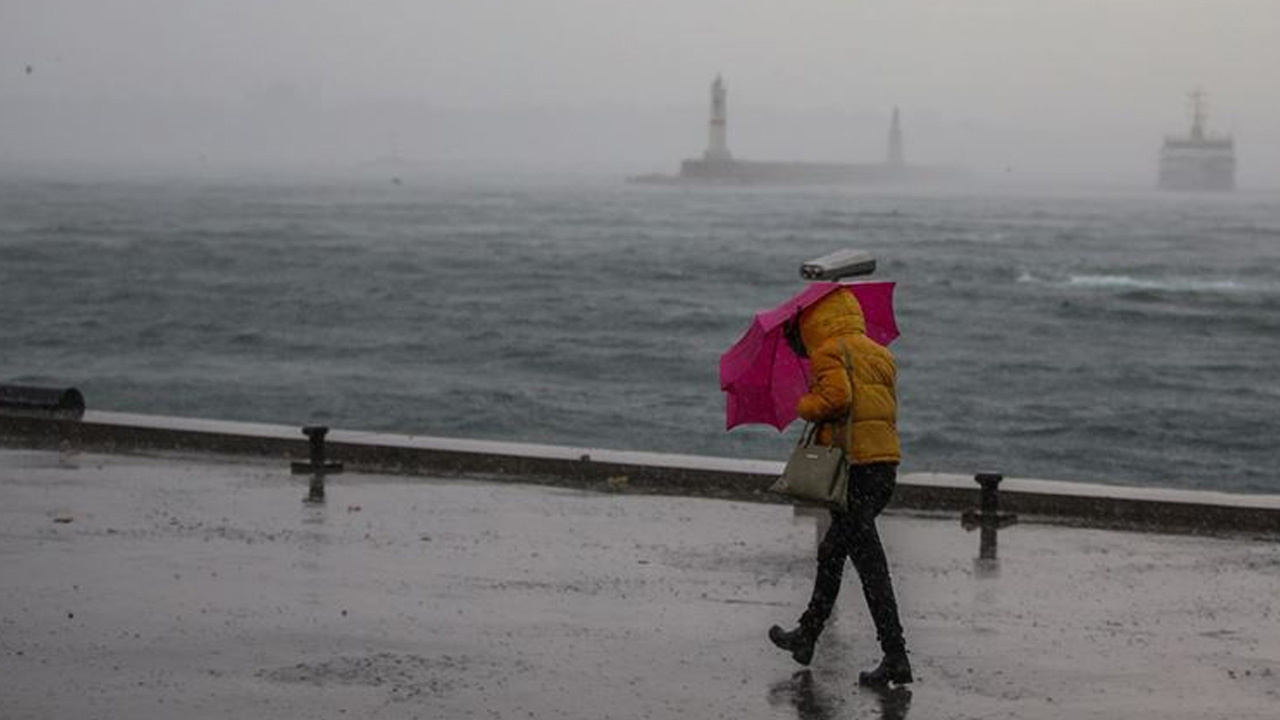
(811, 429)
(848, 419)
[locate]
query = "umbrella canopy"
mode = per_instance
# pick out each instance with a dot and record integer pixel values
(763, 378)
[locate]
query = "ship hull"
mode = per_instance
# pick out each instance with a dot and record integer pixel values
(1197, 169)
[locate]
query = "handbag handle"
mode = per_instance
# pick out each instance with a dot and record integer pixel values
(808, 434)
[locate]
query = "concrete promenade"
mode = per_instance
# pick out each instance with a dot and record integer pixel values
(197, 587)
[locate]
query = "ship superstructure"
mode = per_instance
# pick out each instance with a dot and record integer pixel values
(1198, 161)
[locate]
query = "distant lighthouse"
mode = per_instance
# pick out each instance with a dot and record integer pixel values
(717, 140)
(896, 157)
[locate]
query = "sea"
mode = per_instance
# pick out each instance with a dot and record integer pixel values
(1086, 335)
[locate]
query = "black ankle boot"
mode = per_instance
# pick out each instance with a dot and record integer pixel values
(798, 642)
(894, 668)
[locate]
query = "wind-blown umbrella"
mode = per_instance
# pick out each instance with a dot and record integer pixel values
(762, 376)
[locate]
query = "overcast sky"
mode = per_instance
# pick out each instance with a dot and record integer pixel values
(1068, 87)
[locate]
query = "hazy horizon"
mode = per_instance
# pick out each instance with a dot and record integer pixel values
(1063, 89)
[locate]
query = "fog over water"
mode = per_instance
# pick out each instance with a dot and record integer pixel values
(1074, 90)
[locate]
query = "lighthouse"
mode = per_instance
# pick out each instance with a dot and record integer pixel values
(895, 157)
(717, 139)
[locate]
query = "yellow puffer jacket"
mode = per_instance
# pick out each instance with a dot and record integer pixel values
(832, 323)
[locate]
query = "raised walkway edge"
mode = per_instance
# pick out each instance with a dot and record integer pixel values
(1085, 504)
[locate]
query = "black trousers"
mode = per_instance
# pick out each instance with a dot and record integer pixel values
(853, 535)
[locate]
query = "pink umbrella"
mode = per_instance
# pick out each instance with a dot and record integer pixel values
(763, 378)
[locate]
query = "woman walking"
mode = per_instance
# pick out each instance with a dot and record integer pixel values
(825, 332)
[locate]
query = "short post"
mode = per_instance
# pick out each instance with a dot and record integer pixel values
(988, 517)
(318, 467)
(989, 498)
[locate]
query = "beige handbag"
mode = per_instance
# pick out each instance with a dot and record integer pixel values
(819, 474)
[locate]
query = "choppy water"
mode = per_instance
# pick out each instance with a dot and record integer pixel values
(1128, 339)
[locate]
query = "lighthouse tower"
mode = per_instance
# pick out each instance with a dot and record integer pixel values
(895, 158)
(717, 140)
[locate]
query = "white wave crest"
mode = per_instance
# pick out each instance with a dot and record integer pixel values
(1169, 284)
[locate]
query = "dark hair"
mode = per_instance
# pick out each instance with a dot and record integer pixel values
(791, 330)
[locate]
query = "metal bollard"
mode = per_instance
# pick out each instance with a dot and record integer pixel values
(988, 517)
(318, 467)
(989, 498)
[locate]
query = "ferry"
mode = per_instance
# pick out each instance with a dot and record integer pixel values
(1198, 161)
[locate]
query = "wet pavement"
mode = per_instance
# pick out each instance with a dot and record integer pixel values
(167, 586)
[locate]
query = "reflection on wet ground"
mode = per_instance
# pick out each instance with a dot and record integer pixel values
(812, 701)
(178, 587)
